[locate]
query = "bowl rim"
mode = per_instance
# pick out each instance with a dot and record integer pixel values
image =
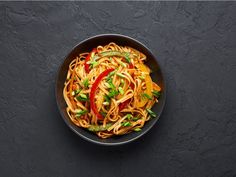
(99, 142)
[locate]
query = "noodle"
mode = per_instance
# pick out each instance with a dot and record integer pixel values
(109, 91)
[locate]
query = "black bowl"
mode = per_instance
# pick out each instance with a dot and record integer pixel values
(87, 45)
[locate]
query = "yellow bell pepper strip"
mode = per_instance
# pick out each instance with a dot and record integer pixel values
(149, 86)
(156, 87)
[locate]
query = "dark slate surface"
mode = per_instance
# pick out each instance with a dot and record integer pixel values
(195, 43)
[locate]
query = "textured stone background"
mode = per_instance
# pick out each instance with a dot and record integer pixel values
(195, 43)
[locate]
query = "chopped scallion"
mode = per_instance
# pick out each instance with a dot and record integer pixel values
(135, 118)
(81, 112)
(96, 128)
(151, 112)
(122, 64)
(77, 91)
(107, 98)
(126, 124)
(120, 75)
(127, 57)
(137, 129)
(83, 95)
(86, 83)
(106, 103)
(156, 93)
(147, 96)
(112, 93)
(129, 116)
(107, 85)
(121, 90)
(122, 82)
(111, 74)
(111, 85)
(93, 63)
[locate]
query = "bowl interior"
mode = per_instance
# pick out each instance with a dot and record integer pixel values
(86, 46)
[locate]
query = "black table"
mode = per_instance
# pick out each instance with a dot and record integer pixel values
(195, 43)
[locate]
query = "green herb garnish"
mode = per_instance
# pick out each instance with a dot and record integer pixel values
(129, 116)
(122, 82)
(111, 74)
(96, 128)
(147, 96)
(106, 103)
(126, 124)
(93, 64)
(80, 113)
(111, 85)
(156, 93)
(107, 85)
(137, 129)
(135, 118)
(86, 83)
(151, 112)
(120, 75)
(121, 90)
(77, 91)
(127, 57)
(107, 98)
(112, 93)
(82, 97)
(122, 64)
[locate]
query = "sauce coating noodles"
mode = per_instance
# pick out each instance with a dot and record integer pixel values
(109, 91)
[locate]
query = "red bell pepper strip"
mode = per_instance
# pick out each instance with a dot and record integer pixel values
(86, 65)
(93, 92)
(123, 105)
(131, 66)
